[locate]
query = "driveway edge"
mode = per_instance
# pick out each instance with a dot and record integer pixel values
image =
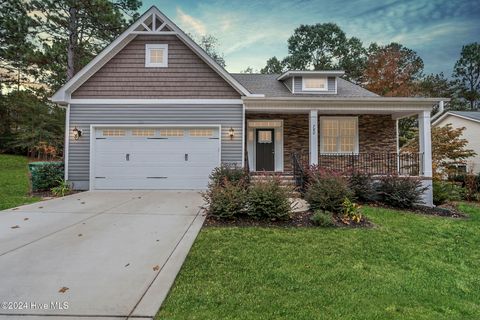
(158, 291)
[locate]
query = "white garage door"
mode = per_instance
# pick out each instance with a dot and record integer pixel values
(154, 158)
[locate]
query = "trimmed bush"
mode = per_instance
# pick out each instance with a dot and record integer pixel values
(401, 192)
(444, 191)
(322, 218)
(363, 187)
(327, 190)
(47, 175)
(226, 200)
(267, 199)
(231, 173)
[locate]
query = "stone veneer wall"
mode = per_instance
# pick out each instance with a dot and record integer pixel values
(377, 134)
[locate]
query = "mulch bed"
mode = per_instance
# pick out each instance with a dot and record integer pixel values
(298, 219)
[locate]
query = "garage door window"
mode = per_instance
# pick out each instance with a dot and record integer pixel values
(113, 133)
(171, 132)
(143, 132)
(201, 132)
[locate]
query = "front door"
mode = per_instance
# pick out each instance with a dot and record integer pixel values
(265, 150)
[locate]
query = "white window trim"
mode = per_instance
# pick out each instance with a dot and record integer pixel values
(315, 89)
(279, 143)
(356, 147)
(149, 64)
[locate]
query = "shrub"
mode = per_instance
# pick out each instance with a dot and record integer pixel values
(444, 191)
(471, 187)
(326, 190)
(351, 212)
(363, 187)
(322, 218)
(226, 200)
(231, 173)
(267, 199)
(62, 189)
(401, 192)
(47, 175)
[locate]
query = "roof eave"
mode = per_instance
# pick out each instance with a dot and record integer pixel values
(291, 73)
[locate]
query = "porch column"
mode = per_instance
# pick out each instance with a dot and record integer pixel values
(313, 137)
(425, 146)
(425, 142)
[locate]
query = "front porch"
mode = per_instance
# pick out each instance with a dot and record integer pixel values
(367, 143)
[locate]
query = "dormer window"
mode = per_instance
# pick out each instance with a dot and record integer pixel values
(156, 55)
(314, 84)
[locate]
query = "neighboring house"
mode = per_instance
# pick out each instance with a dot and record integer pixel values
(154, 111)
(471, 121)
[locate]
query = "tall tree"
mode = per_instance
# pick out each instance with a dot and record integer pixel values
(16, 46)
(273, 66)
(210, 44)
(467, 74)
(392, 70)
(322, 46)
(16, 50)
(316, 47)
(354, 60)
(75, 31)
(435, 85)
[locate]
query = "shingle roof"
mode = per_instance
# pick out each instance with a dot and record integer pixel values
(475, 115)
(268, 85)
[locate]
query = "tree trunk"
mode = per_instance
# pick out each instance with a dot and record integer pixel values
(72, 42)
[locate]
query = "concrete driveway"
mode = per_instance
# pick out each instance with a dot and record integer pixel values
(95, 254)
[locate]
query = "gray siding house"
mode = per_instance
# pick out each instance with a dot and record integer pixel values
(154, 111)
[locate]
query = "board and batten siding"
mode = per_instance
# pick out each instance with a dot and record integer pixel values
(186, 76)
(330, 82)
(82, 116)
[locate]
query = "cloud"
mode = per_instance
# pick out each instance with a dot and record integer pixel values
(190, 23)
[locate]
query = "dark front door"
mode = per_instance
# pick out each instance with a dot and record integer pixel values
(265, 150)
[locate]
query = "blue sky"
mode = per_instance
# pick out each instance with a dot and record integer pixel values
(250, 32)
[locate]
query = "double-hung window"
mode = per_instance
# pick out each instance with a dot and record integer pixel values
(339, 135)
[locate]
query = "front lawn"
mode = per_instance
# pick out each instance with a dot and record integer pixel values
(408, 267)
(14, 182)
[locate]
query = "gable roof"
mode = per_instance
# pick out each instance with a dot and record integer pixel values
(268, 85)
(469, 115)
(146, 24)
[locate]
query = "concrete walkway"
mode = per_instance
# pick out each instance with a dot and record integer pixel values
(95, 254)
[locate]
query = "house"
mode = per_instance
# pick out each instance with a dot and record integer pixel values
(154, 111)
(471, 121)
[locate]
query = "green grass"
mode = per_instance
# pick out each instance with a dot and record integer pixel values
(408, 267)
(14, 182)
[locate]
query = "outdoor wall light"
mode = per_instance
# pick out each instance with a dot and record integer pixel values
(231, 133)
(76, 133)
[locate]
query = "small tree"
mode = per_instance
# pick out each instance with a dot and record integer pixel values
(448, 148)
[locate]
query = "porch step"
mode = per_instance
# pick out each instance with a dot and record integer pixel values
(286, 180)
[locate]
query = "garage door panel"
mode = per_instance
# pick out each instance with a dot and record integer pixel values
(154, 163)
(166, 171)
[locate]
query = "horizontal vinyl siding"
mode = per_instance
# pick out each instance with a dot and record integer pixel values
(82, 116)
(330, 83)
(186, 76)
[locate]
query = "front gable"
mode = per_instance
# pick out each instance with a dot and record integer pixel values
(119, 71)
(125, 76)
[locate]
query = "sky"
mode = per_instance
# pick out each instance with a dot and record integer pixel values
(251, 31)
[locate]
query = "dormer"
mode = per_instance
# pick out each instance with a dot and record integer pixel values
(311, 82)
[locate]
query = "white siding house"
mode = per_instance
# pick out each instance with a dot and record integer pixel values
(471, 121)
